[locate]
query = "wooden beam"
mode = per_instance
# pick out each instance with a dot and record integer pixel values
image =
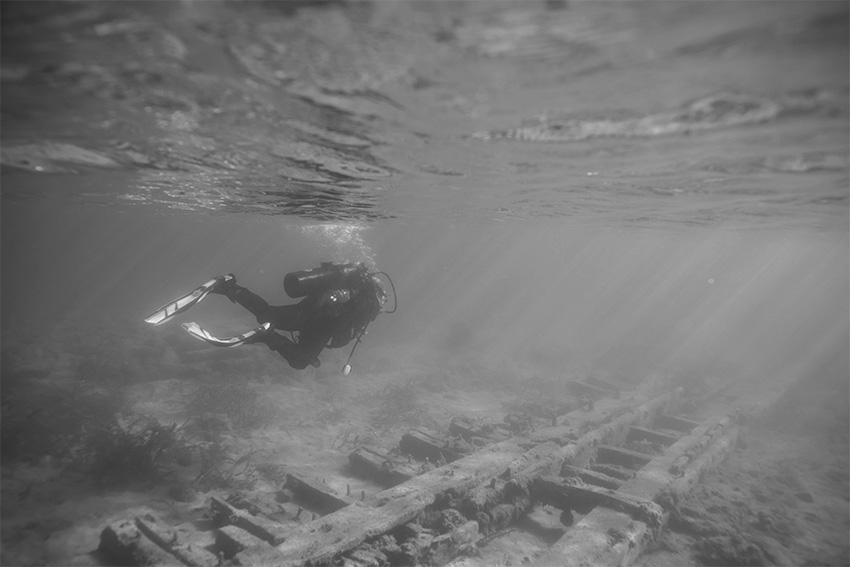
(591, 477)
(607, 536)
(123, 542)
(168, 539)
(424, 444)
(258, 526)
(381, 467)
(323, 497)
(651, 435)
(620, 456)
(321, 540)
(567, 496)
(664, 421)
(231, 540)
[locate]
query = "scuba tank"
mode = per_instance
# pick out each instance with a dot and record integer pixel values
(341, 277)
(317, 280)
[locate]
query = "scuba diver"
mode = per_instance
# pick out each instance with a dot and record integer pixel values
(339, 301)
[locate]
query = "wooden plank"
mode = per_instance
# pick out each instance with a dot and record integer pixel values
(379, 466)
(660, 481)
(605, 412)
(323, 497)
(656, 477)
(591, 477)
(644, 434)
(424, 444)
(321, 540)
(196, 533)
(124, 544)
(612, 470)
(365, 558)
(562, 494)
(664, 421)
(169, 539)
(160, 533)
(231, 540)
(194, 556)
(682, 486)
(263, 528)
(472, 430)
(620, 456)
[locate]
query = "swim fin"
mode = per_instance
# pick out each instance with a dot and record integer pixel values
(196, 331)
(181, 304)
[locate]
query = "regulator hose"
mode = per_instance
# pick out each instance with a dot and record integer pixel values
(346, 370)
(395, 295)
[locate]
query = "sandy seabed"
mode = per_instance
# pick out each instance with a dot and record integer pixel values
(781, 498)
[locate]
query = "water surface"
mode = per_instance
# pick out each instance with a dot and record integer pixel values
(583, 187)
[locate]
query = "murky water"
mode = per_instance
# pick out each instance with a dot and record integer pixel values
(621, 186)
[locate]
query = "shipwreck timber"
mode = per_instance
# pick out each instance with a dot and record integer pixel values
(620, 461)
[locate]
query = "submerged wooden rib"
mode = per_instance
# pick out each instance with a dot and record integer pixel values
(474, 497)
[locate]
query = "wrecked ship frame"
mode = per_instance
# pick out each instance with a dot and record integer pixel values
(584, 462)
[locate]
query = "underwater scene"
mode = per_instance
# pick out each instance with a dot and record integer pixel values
(467, 283)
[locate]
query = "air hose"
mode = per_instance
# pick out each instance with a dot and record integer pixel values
(395, 296)
(347, 368)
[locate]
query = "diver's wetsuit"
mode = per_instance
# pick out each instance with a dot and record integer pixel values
(319, 320)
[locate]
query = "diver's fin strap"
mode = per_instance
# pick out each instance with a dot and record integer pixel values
(181, 304)
(251, 336)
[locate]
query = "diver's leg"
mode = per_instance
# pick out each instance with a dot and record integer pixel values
(255, 304)
(283, 317)
(293, 354)
(243, 296)
(313, 341)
